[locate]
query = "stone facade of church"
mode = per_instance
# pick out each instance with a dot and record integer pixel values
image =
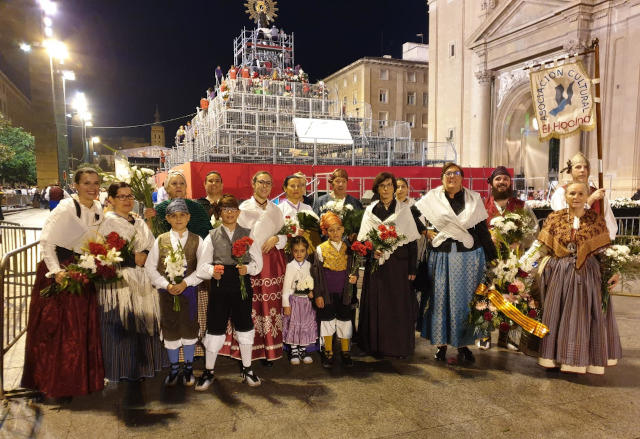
(479, 85)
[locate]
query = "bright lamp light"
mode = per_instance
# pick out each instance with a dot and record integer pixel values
(56, 49)
(68, 75)
(95, 139)
(49, 7)
(25, 47)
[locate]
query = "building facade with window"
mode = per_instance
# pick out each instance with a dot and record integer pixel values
(480, 51)
(384, 89)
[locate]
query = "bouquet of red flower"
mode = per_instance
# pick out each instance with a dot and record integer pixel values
(218, 269)
(75, 279)
(239, 251)
(289, 228)
(384, 238)
(360, 250)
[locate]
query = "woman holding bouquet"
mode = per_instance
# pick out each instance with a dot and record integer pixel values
(264, 219)
(460, 247)
(130, 312)
(294, 189)
(338, 181)
(582, 338)
(388, 303)
(63, 353)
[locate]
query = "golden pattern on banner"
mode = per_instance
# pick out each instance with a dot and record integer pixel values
(562, 100)
(530, 325)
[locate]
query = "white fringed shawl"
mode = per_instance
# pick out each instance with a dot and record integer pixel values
(437, 210)
(401, 218)
(135, 294)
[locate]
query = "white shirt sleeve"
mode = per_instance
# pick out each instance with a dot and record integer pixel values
(192, 280)
(287, 284)
(151, 267)
(205, 266)
(557, 199)
(319, 254)
(255, 266)
(282, 242)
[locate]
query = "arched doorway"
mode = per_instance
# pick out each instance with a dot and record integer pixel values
(516, 143)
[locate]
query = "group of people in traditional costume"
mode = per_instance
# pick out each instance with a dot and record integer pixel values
(304, 299)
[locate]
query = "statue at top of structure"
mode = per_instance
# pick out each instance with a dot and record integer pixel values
(262, 12)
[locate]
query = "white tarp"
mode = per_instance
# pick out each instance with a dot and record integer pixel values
(323, 131)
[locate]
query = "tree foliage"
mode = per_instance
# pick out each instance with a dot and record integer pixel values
(17, 154)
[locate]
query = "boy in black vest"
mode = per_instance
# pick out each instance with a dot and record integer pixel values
(225, 298)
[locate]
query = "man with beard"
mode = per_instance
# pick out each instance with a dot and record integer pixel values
(498, 203)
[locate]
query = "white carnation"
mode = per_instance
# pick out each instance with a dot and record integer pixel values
(88, 262)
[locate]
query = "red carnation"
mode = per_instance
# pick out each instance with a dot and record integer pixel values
(504, 327)
(115, 241)
(96, 248)
(488, 315)
(512, 289)
(368, 245)
(532, 313)
(522, 273)
(382, 228)
(241, 246)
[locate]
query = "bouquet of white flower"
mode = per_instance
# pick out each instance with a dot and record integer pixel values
(175, 267)
(305, 285)
(538, 204)
(623, 202)
(615, 259)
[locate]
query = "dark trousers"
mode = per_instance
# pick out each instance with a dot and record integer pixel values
(334, 310)
(225, 301)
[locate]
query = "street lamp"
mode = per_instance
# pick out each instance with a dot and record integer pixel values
(82, 108)
(94, 140)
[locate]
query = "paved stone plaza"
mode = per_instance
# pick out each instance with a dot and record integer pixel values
(504, 394)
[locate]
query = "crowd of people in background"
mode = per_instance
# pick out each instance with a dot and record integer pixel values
(294, 292)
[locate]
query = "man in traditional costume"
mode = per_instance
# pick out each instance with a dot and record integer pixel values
(499, 202)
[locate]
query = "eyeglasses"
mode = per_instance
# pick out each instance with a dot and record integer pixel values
(229, 210)
(125, 197)
(385, 185)
(214, 181)
(453, 174)
(264, 182)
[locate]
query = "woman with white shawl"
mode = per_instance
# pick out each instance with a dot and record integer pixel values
(460, 248)
(388, 304)
(265, 220)
(129, 309)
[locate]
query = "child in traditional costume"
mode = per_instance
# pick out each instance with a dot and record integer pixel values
(299, 327)
(171, 266)
(228, 298)
(334, 289)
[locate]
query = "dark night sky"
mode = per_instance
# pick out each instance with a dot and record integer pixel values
(131, 55)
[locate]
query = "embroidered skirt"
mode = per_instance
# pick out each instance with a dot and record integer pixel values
(581, 337)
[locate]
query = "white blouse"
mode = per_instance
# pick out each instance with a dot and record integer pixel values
(291, 210)
(64, 229)
(294, 273)
(138, 231)
(263, 223)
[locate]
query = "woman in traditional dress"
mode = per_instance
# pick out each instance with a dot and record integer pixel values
(402, 193)
(460, 247)
(294, 190)
(582, 338)
(63, 353)
(388, 304)
(213, 186)
(338, 181)
(129, 310)
(176, 187)
(579, 167)
(265, 220)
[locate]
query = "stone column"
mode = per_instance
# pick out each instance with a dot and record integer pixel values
(480, 118)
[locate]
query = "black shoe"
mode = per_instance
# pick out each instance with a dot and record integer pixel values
(250, 377)
(172, 379)
(347, 361)
(441, 354)
(205, 381)
(266, 363)
(327, 359)
(465, 355)
(187, 377)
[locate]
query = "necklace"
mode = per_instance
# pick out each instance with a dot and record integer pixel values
(262, 204)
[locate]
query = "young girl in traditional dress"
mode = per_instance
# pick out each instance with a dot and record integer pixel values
(299, 324)
(334, 288)
(226, 301)
(178, 298)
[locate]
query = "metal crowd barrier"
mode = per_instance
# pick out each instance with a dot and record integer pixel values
(17, 276)
(13, 236)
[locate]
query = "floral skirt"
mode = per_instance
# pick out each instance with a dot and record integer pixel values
(267, 311)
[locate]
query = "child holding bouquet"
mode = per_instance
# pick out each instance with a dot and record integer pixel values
(334, 289)
(229, 257)
(299, 328)
(171, 266)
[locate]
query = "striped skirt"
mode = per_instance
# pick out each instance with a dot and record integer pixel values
(581, 337)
